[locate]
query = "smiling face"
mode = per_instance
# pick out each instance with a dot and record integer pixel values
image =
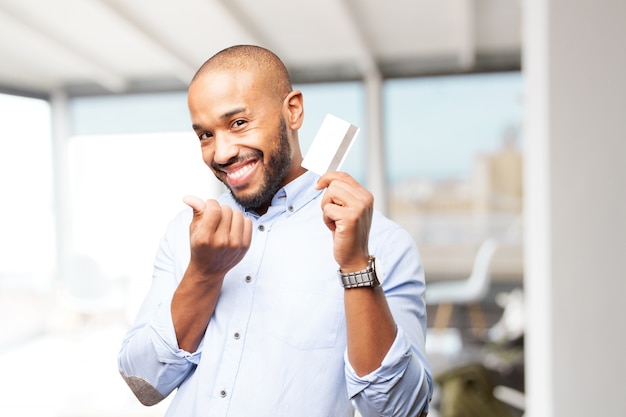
(242, 124)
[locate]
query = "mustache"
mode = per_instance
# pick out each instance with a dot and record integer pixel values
(256, 154)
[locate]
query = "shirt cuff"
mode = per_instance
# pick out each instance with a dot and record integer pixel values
(382, 379)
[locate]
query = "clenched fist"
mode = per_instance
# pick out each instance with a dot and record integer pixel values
(219, 237)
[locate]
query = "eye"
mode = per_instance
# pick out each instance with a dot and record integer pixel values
(238, 123)
(205, 135)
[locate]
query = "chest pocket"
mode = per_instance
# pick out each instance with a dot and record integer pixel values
(305, 318)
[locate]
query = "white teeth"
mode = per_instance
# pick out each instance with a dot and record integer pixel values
(240, 172)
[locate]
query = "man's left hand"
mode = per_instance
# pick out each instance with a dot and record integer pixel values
(347, 208)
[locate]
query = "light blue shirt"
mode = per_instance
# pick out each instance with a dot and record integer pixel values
(276, 343)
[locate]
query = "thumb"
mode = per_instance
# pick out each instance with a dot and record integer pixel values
(197, 204)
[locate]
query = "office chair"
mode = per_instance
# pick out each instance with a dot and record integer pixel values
(470, 291)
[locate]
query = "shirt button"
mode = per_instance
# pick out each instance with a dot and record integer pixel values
(222, 393)
(261, 228)
(290, 208)
(248, 279)
(237, 335)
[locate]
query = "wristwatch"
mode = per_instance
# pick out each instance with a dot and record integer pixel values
(359, 279)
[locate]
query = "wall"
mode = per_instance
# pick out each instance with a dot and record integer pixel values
(574, 64)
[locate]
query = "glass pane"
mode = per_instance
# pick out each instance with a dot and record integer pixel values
(27, 235)
(454, 151)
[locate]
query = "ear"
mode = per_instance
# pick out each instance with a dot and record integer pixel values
(293, 110)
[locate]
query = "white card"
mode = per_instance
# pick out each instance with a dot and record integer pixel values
(330, 145)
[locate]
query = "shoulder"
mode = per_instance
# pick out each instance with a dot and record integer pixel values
(386, 230)
(395, 249)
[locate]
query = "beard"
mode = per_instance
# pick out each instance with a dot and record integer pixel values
(275, 171)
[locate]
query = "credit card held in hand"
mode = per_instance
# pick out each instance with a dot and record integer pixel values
(330, 145)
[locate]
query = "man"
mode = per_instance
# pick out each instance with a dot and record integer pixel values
(246, 315)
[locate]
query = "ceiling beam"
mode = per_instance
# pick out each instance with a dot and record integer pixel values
(184, 69)
(467, 34)
(246, 24)
(366, 61)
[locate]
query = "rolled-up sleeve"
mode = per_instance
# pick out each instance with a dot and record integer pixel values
(149, 359)
(402, 385)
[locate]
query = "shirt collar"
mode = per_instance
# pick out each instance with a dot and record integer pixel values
(298, 193)
(290, 198)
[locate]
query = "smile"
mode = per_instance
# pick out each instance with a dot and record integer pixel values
(239, 175)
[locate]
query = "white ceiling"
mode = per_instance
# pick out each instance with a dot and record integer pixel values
(117, 46)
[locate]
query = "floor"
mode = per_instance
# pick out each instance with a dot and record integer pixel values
(459, 346)
(56, 363)
(60, 364)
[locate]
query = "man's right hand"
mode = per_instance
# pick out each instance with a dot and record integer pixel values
(219, 237)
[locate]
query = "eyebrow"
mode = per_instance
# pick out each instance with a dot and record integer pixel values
(226, 115)
(233, 112)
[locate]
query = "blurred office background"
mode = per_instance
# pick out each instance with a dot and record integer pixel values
(493, 130)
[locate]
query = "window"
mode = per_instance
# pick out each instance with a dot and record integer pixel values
(454, 164)
(27, 242)
(27, 233)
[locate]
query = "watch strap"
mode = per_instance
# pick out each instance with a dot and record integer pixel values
(359, 279)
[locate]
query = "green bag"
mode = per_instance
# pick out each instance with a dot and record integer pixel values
(467, 391)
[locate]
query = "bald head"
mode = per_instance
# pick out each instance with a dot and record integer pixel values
(269, 69)
(247, 117)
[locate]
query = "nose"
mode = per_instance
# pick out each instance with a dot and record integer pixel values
(224, 149)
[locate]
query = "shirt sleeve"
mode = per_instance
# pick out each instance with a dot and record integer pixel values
(402, 385)
(149, 359)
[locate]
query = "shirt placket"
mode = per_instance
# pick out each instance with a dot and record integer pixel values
(238, 324)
